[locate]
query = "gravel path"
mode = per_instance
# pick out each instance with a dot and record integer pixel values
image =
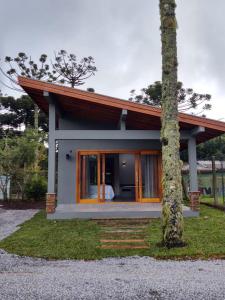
(126, 278)
(10, 219)
(132, 278)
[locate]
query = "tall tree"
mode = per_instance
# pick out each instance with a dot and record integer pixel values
(24, 66)
(188, 100)
(19, 113)
(170, 137)
(65, 69)
(214, 147)
(20, 159)
(68, 70)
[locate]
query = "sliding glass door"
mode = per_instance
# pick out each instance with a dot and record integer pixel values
(90, 177)
(148, 176)
(101, 176)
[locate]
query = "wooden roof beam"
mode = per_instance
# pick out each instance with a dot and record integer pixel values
(51, 99)
(197, 130)
(122, 121)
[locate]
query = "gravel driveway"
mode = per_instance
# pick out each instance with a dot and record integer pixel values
(11, 218)
(126, 278)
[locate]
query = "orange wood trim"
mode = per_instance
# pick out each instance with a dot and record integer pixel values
(103, 177)
(140, 178)
(99, 176)
(77, 177)
(83, 179)
(157, 173)
(150, 200)
(136, 178)
(101, 168)
(86, 96)
(119, 151)
(152, 152)
(89, 201)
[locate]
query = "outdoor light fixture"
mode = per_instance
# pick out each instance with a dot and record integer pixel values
(68, 155)
(124, 163)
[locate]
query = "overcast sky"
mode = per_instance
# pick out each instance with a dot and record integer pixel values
(123, 36)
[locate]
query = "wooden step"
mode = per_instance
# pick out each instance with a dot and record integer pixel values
(123, 247)
(123, 231)
(122, 241)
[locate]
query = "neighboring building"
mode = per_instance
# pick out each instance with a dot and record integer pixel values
(109, 152)
(205, 177)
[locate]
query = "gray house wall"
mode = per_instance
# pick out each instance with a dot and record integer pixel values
(69, 123)
(67, 168)
(103, 136)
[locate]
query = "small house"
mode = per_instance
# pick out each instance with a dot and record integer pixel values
(105, 153)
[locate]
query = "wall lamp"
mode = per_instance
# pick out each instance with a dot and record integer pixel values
(124, 163)
(69, 155)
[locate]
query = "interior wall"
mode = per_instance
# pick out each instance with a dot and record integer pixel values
(126, 173)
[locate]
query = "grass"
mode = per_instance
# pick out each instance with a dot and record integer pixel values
(76, 239)
(210, 200)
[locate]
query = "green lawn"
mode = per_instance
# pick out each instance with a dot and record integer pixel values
(38, 237)
(210, 200)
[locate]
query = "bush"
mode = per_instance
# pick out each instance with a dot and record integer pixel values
(36, 187)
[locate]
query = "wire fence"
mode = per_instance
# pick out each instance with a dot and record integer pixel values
(211, 181)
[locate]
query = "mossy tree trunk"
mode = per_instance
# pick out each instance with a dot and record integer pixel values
(36, 125)
(36, 115)
(170, 136)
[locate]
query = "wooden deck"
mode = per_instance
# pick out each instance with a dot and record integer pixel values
(113, 211)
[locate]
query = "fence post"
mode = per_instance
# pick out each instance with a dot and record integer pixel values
(214, 181)
(222, 168)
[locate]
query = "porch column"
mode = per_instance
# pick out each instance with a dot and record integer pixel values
(51, 196)
(193, 174)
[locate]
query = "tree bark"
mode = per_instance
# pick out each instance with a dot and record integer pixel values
(170, 137)
(36, 115)
(36, 126)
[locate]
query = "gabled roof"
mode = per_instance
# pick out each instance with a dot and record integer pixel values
(83, 104)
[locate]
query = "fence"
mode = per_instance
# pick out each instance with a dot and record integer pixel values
(211, 181)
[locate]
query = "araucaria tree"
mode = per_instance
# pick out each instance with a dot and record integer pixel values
(170, 137)
(65, 69)
(188, 99)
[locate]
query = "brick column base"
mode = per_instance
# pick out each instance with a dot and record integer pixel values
(194, 200)
(50, 203)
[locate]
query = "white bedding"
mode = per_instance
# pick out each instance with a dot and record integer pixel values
(109, 193)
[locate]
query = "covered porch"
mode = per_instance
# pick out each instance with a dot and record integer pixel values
(113, 211)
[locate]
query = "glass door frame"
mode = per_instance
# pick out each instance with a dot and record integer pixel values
(138, 176)
(79, 154)
(101, 174)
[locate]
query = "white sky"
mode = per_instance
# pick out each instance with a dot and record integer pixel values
(124, 38)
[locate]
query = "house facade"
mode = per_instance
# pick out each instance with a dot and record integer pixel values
(105, 153)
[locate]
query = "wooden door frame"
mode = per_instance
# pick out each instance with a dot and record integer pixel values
(159, 185)
(101, 170)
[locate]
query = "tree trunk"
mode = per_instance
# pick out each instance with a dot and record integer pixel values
(5, 194)
(36, 114)
(170, 137)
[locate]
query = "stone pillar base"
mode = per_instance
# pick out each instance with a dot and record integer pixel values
(50, 203)
(194, 200)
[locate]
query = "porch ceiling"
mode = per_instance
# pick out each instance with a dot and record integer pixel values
(87, 105)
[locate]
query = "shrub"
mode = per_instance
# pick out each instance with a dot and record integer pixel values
(36, 187)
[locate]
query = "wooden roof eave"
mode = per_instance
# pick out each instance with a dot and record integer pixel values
(30, 84)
